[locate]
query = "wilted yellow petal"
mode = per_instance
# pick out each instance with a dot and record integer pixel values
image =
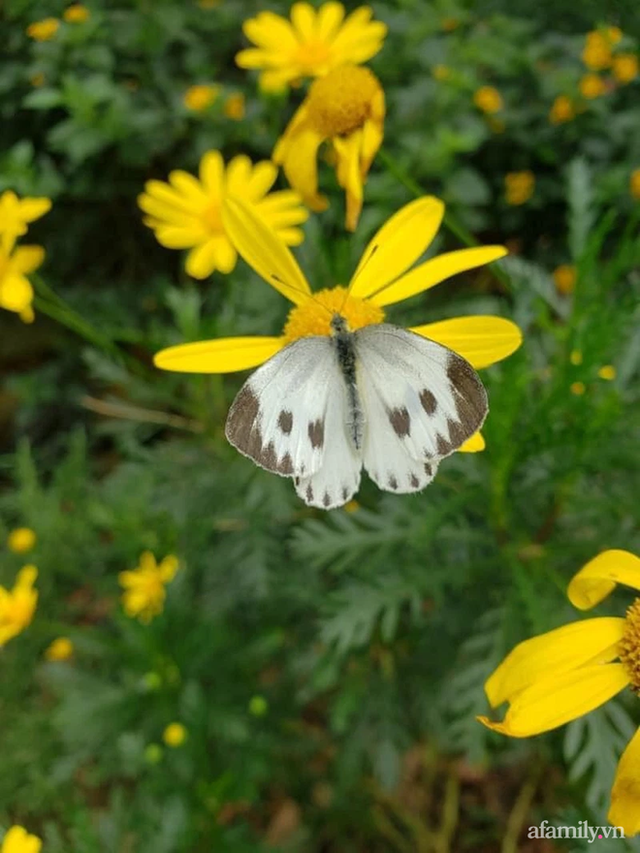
(397, 245)
(264, 251)
(595, 581)
(225, 355)
(474, 444)
(482, 340)
(565, 696)
(625, 794)
(566, 648)
(434, 271)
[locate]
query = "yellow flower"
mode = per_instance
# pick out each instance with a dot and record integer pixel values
(578, 388)
(18, 840)
(43, 30)
(234, 106)
(625, 67)
(313, 43)
(16, 213)
(562, 110)
(450, 24)
(519, 187)
(186, 213)
(562, 675)
(608, 372)
(16, 293)
(380, 279)
(441, 72)
(634, 183)
(144, 587)
(174, 735)
(346, 107)
(76, 14)
(60, 649)
(596, 54)
(488, 99)
(565, 277)
(575, 358)
(592, 86)
(18, 606)
(614, 34)
(200, 98)
(21, 540)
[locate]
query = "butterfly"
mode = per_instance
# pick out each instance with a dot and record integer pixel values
(380, 397)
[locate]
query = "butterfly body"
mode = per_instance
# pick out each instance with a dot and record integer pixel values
(379, 397)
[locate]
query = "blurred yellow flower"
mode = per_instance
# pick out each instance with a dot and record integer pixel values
(16, 213)
(596, 54)
(234, 106)
(18, 840)
(608, 372)
(199, 98)
(174, 735)
(450, 24)
(186, 213)
(43, 30)
(18, 605)
(562, 675)
(562, 110)
(519, 187)
(76, 14)
(441, 72)
(312, 43)
(351, 506)
(625, 67)
(37, 80)
(614, 34)
(576, 357)
(383, 277)
(592, 86)
(488, 99)
(144, 587)
(16, 292)
(634, 183)
(565, 277)
(346, 108)
(578, 388)
(61, 649)
(21, 540)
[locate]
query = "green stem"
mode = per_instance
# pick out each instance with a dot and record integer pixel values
(450, 221)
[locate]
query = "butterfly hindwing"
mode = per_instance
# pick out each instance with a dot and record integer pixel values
(421, 402)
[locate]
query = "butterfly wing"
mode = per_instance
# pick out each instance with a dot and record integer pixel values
(421, 401)
(290, 417)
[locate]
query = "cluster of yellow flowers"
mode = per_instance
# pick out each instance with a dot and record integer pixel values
(46, 29)
(199, 98)
(16, 292)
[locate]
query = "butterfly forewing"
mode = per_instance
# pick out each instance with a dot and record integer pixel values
(421, 402)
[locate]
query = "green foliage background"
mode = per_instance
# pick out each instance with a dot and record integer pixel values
(328, 667)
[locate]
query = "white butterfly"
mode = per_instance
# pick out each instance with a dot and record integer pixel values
(379, 397)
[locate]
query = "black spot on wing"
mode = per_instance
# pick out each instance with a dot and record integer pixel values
(428, 401)
(400, 420)
(285, 422)
(316, 433)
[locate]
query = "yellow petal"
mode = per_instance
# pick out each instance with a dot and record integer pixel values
(397, 245)
(27, 259)
(264, 251)
(303, 18)
(566, 696)
(212, 173)
(330, 16)
(270, 31)
(435, 271)
(16, 294)
(625, 794)
(296, 151)
(225, 355)
(474, 444)
(566, 648)
(201, 260)
(175, 237)
(481, 340)
(349, 177)
(595, 581)
(34, 208)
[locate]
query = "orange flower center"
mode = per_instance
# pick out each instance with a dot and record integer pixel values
(341, 102)
(312, 54)
(313, 316)
(629, 649)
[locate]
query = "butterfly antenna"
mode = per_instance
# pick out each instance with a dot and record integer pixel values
(361, 267)
(304, 293)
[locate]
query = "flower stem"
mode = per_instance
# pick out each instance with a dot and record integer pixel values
(450, 221)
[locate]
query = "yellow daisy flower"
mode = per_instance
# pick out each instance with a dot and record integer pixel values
(562, 110)
(18, 840)
(346, 107)
(60, 649)
(565, 277)
(16, 214)
(608, 372)
(43, 30)
(380, 279)
(144, 587)
(186, 213)
(592, 86)
(311, 44)
(562, 675)
(201, 97)
(174, 735)
(18, 605)
(234, 106)
(76, 14)
(596, 54)
(625, 67)
(21, 540)
(16, 292)
(519, 187)
(488, 99)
